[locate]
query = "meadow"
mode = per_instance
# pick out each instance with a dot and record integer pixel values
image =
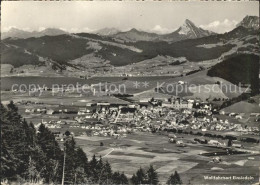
(142, 149)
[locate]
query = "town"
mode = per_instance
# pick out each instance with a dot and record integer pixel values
(179, 115)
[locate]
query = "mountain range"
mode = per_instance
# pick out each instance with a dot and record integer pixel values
(17, 33)
(188, 48)
(187, 31)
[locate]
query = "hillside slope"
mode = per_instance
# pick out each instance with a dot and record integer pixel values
(63, 49)
(243, 107)
(243, 68)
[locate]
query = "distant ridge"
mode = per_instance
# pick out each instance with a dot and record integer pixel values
(187, 31)
(107, 31)
(21, 34)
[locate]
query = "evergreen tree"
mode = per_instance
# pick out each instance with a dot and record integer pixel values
(100, 165)
(93, 175)
(93, 163)
(81, 164)
(70, 158)
(118, 178)
(8, 159)
(14, 140)
(139, 177)
(152, 176)
(134, 179)
(51, 156)
(174, 179)
(229, 143)
(123, 178)
(12, 106)
(34, 175)
(106, 176)
(48, 143)
(8, 163)
(27, 156)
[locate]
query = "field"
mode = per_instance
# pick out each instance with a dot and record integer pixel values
(142, 149)
(139, 149)
(195, 85)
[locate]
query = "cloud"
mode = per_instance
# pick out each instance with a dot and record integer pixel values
(160, 30)
(79, 30)
(87, 30)
(220, 27)
(63, 29)
(41, 28)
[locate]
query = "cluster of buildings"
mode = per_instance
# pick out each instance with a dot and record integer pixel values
(107, 119)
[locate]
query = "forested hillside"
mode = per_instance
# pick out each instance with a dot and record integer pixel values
(243, 68)
(62, 49)
(34, 156)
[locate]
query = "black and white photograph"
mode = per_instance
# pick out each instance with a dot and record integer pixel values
(130, 92)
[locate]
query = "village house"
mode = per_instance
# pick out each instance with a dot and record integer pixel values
(222, 112)
(214, 142)
(181, 104)
(29, 110)
(50, 111)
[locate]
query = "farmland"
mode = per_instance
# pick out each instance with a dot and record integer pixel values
(143, 149)
(140, 149)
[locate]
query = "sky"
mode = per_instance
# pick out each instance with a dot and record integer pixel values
(152, 16)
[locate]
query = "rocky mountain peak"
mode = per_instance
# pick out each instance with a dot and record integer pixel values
(192, 31)
(250, 22)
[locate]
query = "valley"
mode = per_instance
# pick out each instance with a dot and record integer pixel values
(185, 101)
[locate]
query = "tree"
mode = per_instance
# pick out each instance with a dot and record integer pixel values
(139, 177)
(106, 175)
(134, 179)
(36, 157)
(174, 179)
(47, 141)
(33, 173)
(70, 165)
(22, 154)
(229, 143)
(12, 106)
(99, 170)
(51, 155)
(81, 164)
(118, 178)
(123, 178)
(93, 172)
(67, 133)
(152, 176)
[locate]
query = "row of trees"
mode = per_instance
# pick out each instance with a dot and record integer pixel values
(151, 177)
(34, 156)
(78, 170)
